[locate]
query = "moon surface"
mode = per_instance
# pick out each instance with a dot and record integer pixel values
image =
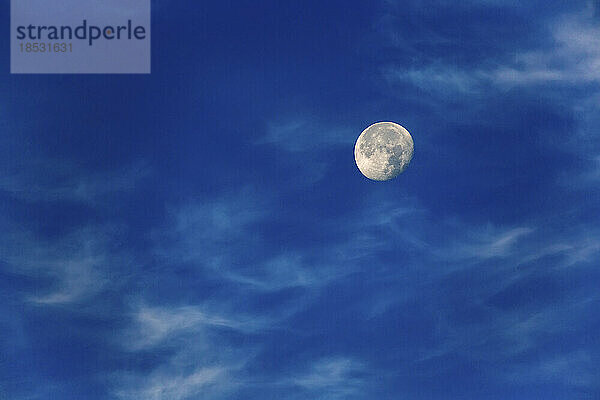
(383, 151)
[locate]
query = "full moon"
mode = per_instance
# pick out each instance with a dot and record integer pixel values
(383, 151)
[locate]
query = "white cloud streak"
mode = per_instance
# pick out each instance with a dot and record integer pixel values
(333, 378)
(59, 181)
(77, 264)
(571, 57)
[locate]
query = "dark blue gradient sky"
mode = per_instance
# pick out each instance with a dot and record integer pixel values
(203, 233)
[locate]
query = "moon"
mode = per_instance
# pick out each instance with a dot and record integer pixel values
(383, 151)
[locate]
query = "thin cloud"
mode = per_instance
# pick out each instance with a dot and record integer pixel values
(196, 360)
(302, 135)
(59, 181)
(572, 369)
(437, 78)
(76, 266)
(333, 378)
(571, 56)
(486, 243)
(197, 230)
(153, 326)
(165, 386)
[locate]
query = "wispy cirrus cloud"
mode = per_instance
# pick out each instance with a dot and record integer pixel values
(482, 243)
(162, 386)
(60, 181)
(195, 360)
(569, 55)
(437, 78)
(197, 230)
(573, 369)
(573, 57)
(76, 263)
(70, 268)
(502, 294)
(303, 145)
(196, 233)
(333, 378)
(225, 333)
(304, 134)
(154, 326)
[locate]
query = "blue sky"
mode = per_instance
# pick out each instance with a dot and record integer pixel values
(203, 233)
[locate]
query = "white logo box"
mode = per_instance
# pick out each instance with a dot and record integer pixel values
(80, 36)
